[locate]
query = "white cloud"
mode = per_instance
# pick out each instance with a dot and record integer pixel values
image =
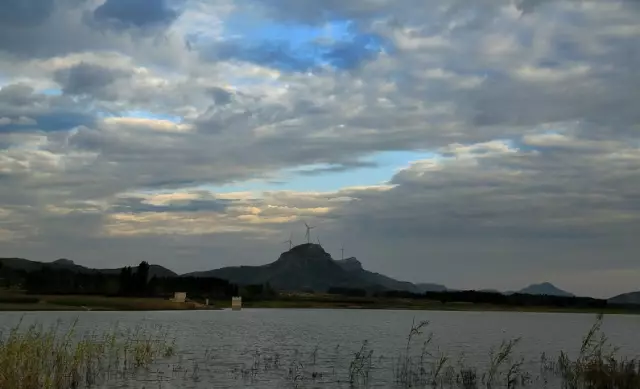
(107, 137)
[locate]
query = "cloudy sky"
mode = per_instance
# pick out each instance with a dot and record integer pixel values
(479, 144)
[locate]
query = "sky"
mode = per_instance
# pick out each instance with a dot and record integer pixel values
(484, 144)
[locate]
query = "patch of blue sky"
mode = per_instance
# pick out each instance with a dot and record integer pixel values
(51, 92)
(53, 122)
(384, 166)
(139, 114)
(151, 115)
(294, 47)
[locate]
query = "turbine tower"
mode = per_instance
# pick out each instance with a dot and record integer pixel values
(290, 241)
(342, 251)
(308, 234)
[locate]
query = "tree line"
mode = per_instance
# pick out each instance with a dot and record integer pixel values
(129, 282)
(477, 297)
(494, 298)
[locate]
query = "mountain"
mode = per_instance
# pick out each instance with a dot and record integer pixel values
(545, 288)
(354, 267)
(626, 298)
(489, 291)
(309, 267)
(422, 287)
(27, 265)
(304, 267)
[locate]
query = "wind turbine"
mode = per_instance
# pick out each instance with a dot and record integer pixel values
(342, 250)
(308, 234)
(290, 241)
(318, 239)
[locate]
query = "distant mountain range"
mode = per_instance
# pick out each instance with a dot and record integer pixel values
(27, 265)
(632, 298)
(545, 288)
(307, 267)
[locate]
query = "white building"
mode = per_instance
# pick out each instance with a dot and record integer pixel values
(179, 297)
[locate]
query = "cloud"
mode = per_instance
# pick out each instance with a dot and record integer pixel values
(122, 14)
(26, 108)
(20, 121)
(192, 129)
(25, 13)
(88, 79)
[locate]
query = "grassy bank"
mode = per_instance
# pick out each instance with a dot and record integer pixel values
(20, 302)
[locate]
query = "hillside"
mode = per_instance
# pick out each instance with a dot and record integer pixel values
(422, 287)
(29, 266)
(309, 267)
(354, 267)
(304, 267)
(545, 288)
(632, 298)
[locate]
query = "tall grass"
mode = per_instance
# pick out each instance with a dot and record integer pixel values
(49, 358)
(420, 365)
(597, 365)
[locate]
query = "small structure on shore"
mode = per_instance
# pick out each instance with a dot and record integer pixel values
(179, 297)
(236, 303)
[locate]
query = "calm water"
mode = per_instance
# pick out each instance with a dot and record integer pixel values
(216, 346)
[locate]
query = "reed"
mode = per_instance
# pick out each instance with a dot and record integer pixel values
(598, 365)
(49, 358)
(35, 357)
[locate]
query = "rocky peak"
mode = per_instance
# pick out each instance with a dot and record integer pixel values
(304, 253)
(350, 264)
(64, 262)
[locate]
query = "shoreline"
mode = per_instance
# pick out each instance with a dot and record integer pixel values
(86, 303)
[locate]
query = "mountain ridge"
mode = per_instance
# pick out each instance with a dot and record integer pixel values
(63, 263)
(545, 288)
(305, 267)
(630, 298)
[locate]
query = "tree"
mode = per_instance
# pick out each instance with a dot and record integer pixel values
(126, 278)
(142, 277)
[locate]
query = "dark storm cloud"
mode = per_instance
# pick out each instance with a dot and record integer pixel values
(528, 6)
(48, 28)
(28, 27)
(25, 13)
(123, 14)
(89, 79)
(18, 95)
(64, 121)
(46, 113)
(220, 96)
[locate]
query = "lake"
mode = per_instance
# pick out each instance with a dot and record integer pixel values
(314, 348)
